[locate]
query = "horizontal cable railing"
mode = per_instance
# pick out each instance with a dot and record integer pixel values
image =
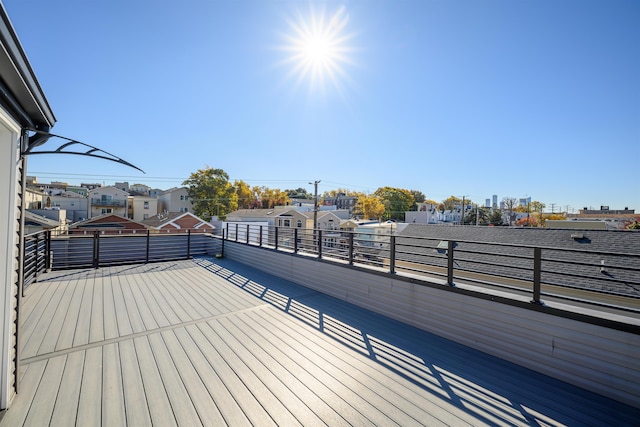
(67, 251)
(586, 276)
(36, 255)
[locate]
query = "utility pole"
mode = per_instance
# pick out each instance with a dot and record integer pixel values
(315, 207)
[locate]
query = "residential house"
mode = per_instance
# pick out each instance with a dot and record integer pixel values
(142, 207)
(108, 200)
(76, 205)
(177, 222)
(108, 223)
(175, 200)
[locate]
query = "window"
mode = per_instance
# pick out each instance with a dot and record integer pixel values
(299, 224)
(146, 205)
(287, 223)
(183, 197)
(107, 210)
(145, 216)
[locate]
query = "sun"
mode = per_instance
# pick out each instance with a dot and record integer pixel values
(317, 47)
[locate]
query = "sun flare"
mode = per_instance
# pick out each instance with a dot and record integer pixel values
(318, 49)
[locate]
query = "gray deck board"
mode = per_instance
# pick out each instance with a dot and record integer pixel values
(217, 343)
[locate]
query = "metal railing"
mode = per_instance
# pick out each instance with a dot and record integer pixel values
(43, 251)
(585, 276)
(36, 252)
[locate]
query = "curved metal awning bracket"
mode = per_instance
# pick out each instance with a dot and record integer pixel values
(72, 147)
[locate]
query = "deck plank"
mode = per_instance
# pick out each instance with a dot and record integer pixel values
(96, 328)
(45, 398)
(137, 410)
(251, 407)
(110, 318)
(19, 409)
(90, 402)
(83, 327)
(133, 309)
(113, 407)
(66, 404)
(203, 402)
(184, 410)
(157, 399)
(122, 313)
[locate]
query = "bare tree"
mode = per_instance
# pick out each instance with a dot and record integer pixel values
(509, 204)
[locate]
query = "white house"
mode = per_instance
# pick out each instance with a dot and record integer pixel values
(108, 200)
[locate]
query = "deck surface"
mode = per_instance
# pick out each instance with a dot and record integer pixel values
(213, 342)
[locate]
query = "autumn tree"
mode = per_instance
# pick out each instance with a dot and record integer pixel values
(369, 207)
(246, 198)
(211, 193)
(269, 197)
(396, 201)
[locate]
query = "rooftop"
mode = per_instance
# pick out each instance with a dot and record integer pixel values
(215, 342)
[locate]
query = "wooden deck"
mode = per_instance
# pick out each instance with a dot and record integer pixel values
(213, 342)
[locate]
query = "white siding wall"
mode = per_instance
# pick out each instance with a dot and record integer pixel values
(593, 357)
(9, 241)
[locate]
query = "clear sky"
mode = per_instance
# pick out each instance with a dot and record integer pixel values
(516, 98)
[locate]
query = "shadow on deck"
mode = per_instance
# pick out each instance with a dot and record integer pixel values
(237, 346)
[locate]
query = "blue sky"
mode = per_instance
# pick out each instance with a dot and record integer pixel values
(449, 97)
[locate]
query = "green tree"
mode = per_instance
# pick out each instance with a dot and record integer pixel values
(211, 193)
(635, 225)
(418, 197)
(396, 201)
(299, 193)
(495, 217)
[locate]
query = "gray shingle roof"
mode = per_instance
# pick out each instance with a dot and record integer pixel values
(569, 257)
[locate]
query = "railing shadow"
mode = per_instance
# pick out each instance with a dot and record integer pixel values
(492, 390)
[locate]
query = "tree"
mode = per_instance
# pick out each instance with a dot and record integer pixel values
(299, 193)
(495, 218)
(509, 205)
(246, 198)
(396, 201)
(211, 193)
(271, 197)
(449, 203)
(369, 207)
(418, 197)
(635, 225)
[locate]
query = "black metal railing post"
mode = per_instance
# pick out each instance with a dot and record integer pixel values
(236, 239)
(295, 240)
(392, 254)
(47, 246)
(319, 243)
(96, 249)
(247, 234)
(537, 275)
(350, 248)
(148, 245)
(450, 245)
(223, 237)
(37, 250)
(189, 244)
(276, 237)
(260, 237)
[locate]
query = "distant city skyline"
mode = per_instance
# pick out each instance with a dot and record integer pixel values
(464, 98)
